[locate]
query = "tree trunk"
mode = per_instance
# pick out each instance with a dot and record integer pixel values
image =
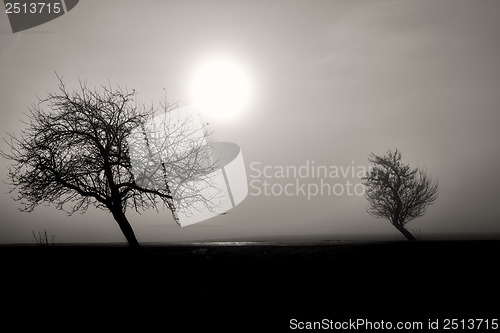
(126, 228)
(405, 232)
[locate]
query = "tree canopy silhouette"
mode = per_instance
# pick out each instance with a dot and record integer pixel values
(397, 192)
(74, 154)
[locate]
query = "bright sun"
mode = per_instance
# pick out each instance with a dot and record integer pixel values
(221, 87)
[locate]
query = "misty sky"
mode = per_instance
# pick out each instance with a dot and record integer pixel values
(334, 81)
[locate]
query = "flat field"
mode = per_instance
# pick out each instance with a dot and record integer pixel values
(237, 288)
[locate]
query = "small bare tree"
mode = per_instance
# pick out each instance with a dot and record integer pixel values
(397, 192)
(42, 239)
(76, 154)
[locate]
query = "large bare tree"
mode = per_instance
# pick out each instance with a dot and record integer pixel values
(74, 154)
(397, 192)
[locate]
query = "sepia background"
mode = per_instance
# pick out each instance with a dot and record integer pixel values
(333, 81)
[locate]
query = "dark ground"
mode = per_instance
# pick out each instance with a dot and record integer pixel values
(245, 288)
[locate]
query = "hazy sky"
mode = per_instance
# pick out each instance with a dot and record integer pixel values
(334, 81)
